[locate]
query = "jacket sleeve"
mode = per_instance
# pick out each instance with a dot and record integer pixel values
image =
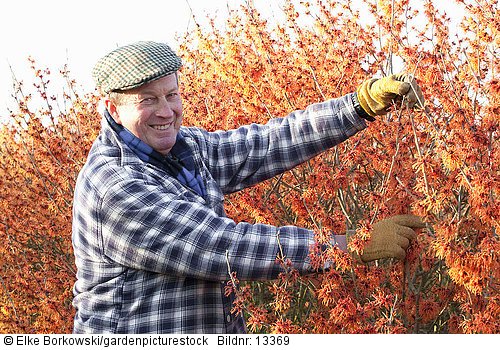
(250, 154)
(165, 233)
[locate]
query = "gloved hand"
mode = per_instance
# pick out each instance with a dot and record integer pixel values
(390, 238)
(376, 96)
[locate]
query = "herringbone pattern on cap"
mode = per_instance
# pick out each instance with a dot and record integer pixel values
(133, 65)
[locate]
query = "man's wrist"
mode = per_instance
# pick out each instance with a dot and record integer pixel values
(340, 241)
(357, 107)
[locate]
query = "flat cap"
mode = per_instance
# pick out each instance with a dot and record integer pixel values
(134, 65)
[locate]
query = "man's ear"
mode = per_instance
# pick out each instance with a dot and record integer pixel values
(112, 109)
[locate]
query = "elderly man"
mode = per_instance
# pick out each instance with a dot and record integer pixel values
(151, 239)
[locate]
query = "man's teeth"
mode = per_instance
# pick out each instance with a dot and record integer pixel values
(162, 127)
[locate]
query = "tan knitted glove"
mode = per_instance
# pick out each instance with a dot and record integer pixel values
(390, 238)
(376, 96)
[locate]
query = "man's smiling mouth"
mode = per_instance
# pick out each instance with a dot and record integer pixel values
(163, 126)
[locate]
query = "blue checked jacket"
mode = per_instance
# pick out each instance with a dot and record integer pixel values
(152, 255)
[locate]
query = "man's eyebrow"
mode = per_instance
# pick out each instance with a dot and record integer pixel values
(146, 92)
(154, 92)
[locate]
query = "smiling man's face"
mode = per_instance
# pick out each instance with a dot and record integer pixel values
(152, 112)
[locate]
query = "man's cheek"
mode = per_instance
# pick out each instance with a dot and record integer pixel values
(178, 123)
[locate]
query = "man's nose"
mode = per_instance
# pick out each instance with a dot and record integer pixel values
(164, 108)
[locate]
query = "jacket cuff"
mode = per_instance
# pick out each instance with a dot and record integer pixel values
(357, 107)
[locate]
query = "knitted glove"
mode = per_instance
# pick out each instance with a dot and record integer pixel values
(390, 238)
(376, 96)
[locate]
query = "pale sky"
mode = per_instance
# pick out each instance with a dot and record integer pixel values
(55, 32)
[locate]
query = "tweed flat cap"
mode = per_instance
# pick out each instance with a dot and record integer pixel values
(134, 65)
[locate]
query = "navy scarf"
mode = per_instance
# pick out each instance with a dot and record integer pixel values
(179, 163)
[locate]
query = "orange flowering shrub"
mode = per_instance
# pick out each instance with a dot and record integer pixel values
(41, 151)
(441, 163)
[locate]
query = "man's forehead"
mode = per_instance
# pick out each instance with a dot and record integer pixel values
(165, 84)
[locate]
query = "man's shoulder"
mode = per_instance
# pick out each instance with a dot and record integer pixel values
(106, 165)
(193, 134)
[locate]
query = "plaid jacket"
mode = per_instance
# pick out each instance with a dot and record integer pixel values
(152, 255)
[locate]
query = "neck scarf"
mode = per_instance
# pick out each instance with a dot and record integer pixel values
(179, 162)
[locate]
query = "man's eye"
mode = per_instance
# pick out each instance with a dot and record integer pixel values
(147, 100)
